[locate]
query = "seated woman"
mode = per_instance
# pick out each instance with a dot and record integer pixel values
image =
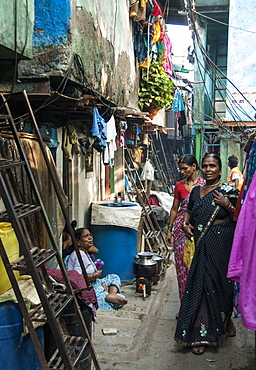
(106, 289)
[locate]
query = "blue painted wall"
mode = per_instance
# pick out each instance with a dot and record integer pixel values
(52, 19)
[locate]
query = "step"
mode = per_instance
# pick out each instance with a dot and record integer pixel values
(58, 303)
(22, 210)
(75, 347)
(6, 164)
(40, 256)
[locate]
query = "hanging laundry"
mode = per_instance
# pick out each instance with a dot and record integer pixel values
(84, 143)
(111, 142)
(70, 141)
(177, 104)
(242, 263)
(157, 30)
(99, 131)
(166, 61)
(123, 128)
(157, 10)
(143, 42)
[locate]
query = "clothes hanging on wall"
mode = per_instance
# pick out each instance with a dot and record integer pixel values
(70, 141)
(99, 131)
(110, 142)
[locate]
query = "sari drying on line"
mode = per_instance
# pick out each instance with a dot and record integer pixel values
(207, 301)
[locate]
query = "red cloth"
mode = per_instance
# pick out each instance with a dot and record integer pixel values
(180, 192)
(77, 282)
(157, 10)
(153, 200)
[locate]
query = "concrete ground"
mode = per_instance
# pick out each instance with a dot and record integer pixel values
(145, 330)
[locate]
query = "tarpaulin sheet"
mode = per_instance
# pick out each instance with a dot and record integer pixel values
(124, 215)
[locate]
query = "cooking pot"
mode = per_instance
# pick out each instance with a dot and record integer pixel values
(144, 265)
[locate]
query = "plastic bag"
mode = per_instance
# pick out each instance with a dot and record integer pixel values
(189, 251)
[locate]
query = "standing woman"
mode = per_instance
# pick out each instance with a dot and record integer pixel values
(188, 166)
(206, 307)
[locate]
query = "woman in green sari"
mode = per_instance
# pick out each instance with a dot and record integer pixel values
(206, 307)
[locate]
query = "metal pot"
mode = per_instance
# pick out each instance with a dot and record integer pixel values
(144, 265)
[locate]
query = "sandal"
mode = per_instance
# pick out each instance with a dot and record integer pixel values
(232, 332)
(199, 350)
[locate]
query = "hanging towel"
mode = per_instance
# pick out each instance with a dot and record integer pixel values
(99, 131)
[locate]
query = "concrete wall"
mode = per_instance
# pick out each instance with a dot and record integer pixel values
(242, 56)
(52, 19)
(99, 35)
(23, 20)
(199, 75)
(230, 146)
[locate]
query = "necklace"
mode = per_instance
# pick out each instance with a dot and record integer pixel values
(211, 186)
(188, 183)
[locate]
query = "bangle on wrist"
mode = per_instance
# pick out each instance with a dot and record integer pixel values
(184, 224)
(170, 226)
(229, 206)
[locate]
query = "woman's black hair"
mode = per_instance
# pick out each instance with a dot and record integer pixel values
(188, 159)
(215, 156)
(233, 161)
(79, 232)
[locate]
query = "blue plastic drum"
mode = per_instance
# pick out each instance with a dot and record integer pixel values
(16, 351)
(117, 247)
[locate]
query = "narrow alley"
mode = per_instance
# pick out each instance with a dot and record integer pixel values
(145, 331)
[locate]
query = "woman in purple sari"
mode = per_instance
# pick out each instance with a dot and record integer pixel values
(206, 307)
(188, 166)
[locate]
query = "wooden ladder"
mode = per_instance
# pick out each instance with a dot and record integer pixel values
(151, 231)
(69, 348)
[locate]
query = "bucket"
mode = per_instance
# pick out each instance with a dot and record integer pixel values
(16, 352)
(73, 325)
(11, 246)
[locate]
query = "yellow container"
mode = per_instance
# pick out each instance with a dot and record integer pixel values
(11, 246)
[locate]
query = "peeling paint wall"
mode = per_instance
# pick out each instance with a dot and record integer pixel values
(23, 20)
(52, 18)
(102, 36)
(99, 35)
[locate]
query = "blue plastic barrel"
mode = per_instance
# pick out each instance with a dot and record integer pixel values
(16, 351)
(117, 247)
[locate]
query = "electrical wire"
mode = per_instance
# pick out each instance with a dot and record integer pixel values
(224, 24)
(215, 66)
(212, 66)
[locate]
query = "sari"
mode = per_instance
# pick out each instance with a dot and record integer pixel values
(207, 303)
(179, 242)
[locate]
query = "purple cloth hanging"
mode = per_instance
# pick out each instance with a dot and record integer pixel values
(242, 263)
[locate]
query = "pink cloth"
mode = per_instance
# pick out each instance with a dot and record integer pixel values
(242, 263)
(77, 282)
(166, 61)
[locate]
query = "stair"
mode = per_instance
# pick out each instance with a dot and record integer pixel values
(69, 348)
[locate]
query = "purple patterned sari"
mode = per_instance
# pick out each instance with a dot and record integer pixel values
(179, 241)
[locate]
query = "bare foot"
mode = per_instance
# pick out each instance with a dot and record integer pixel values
(114, 298)
(104, 287)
